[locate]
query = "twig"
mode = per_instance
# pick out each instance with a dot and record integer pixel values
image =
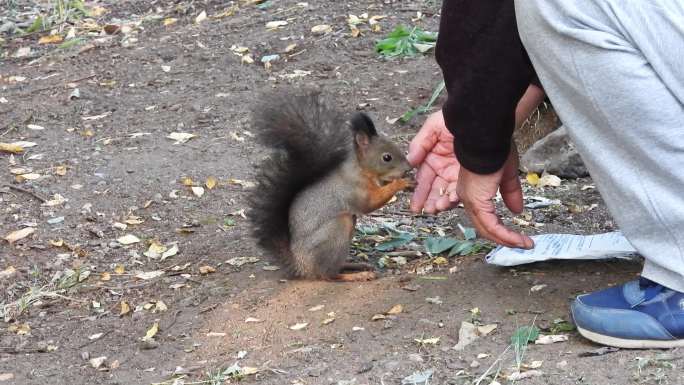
(13, 350)
(175, 318)
(25, 191)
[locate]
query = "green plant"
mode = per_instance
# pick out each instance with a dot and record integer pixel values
(405, 42)
(520, 338)
(408, 115)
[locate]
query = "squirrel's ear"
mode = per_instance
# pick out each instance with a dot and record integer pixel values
(361, 141)
(361, 122)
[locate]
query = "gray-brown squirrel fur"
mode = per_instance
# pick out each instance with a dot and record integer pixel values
(326, 169)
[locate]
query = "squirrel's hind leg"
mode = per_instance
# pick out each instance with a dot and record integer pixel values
(322, 253)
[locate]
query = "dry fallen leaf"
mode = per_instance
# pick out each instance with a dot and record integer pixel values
(11, 148)
(316, 308)
(95, 336)
(160, 306)
(106, 277)
(378, 317)
(128, 239)
(60, 170)
(396, 309)
(239, 261)
(155, 250)
(97, 362)
(211, 182)
(168, 21)
(125, 308)
(119, 269)
(181, 137)
(198, 191)
(170, 252)
(19, 234)
(275, 24)
(328, 321)
(486, 329)
(50, 39)
(204, 270)
(150, 274)
(151, 332)
(321, 29)
(517, 376)
(427, 341)
(201, 17)
(133, 220)
(216, 334)
(299, 326)
(550, 339)
(253, 320)
(549, 180)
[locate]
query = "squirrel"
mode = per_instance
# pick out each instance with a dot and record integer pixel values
(327, 168)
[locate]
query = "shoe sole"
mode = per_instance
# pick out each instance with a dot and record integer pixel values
(629, 344)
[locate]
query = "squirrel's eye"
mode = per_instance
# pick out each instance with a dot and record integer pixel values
(387, 157)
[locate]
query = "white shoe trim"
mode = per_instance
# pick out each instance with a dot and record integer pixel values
(629, 344)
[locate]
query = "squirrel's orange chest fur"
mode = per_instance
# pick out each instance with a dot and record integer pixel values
(377, 195)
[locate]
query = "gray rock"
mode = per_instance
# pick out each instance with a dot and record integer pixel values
(554, 154)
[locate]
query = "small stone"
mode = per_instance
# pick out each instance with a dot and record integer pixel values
(474, 364)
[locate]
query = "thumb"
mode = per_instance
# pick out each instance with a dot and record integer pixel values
(511, 192)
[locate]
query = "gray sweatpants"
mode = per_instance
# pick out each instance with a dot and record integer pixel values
(614, 71)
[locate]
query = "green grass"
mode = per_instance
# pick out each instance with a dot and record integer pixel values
(405, 42)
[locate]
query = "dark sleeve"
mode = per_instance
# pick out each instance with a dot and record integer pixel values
(486, 70)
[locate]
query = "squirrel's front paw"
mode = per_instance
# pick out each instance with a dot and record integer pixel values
(408, 184)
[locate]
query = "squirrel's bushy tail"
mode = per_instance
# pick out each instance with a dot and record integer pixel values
(311, 140)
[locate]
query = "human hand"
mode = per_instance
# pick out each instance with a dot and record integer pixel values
(477, 191)
(432, 150)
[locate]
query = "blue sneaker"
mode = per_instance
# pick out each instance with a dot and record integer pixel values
(640, 315)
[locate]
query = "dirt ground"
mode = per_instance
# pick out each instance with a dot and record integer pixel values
(107, 154)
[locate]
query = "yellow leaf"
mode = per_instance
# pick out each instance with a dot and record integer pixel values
(106, 276)
(396, 309)
(211, 182)
(187, 181)
(169, 21)
(19, 234)
(30, 176)
(160, 306)
(532, 178)
(151, 332)
(155, 250)
(61, 170)
(125, 308)
(56, 242)
(97, 11)
(440, 261)
(11, 148)
(427, 341)
(50, 39)
(119, 269)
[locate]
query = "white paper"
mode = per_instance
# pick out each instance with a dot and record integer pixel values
(564, 246)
